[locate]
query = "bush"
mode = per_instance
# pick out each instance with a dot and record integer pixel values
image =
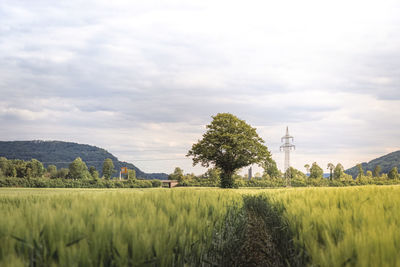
(155, 183)
(69, 183)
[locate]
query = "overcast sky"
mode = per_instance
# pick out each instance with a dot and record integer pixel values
(143, 78)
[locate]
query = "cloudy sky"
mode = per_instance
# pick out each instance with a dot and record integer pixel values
(143, 78)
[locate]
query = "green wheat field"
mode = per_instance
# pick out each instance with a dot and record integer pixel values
(351, 226)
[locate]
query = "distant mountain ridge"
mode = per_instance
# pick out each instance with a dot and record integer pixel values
(61, 154)
(386, 162)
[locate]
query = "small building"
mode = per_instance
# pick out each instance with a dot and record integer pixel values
(169, 183)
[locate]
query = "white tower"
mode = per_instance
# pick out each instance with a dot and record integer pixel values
(287, 146)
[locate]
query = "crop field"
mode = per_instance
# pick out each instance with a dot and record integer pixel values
(351, 226)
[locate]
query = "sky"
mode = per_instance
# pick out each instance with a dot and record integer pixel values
(143, 78)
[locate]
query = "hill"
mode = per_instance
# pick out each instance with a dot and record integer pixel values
(62, 154)
(386, 162)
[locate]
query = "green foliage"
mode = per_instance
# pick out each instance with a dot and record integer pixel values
(377, 171)
(78, 170)
(316, 171)
(35, 168)
(229, 144)
(62, 153)
(271, 169)
(52, 171)
(155, 183)
(360, 170)
(338, 172)
(393, 174)
(131, 175)
(94, 173)
(331, 167)
(70, 183)
(62, 173)
(108, 168)
(386, 163)
(213, 174)
(176, 175)
(307, 167)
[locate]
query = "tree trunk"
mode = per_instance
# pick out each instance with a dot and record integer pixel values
(226, 179)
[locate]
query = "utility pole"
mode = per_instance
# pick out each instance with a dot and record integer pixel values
(287, 147)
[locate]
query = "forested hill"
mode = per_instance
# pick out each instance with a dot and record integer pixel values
(386, 162)
(62, 154)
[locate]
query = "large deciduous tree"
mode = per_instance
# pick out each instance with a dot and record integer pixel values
(229, 144)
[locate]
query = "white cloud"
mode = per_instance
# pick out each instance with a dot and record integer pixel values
(145, 77)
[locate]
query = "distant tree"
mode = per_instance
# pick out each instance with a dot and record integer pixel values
(35, 168)
(12, 171)
(3, 164)
(94, 173)
(293, 173)
(7, 167)
(360, 170)
(20, 168)
(78, 169)
(108, 168)
(338, 172)
(368, 174)
(229, 144)
(52, 171)
(331, 167)
(131, 174)
(271, 169)
(316, 171)
(176, 175)
(377, 171)
(307, 166)
(213, 174)
(189, 177)
(393, 174)
(62, 173)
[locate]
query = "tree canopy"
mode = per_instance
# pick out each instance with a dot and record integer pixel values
(78, 169)
(108, 168)
(316, 171)
(229, 144)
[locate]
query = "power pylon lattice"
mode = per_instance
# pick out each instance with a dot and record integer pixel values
(287, 147)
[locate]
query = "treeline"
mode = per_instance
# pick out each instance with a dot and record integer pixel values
(32, 173)
(272, 177)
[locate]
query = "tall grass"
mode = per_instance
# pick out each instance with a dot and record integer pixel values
(358, 226)
(110, 228)
(352, 226)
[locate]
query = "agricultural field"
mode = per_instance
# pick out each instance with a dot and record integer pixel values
(351, 226)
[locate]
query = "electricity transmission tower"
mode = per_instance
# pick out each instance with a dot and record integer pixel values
(287, 147)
